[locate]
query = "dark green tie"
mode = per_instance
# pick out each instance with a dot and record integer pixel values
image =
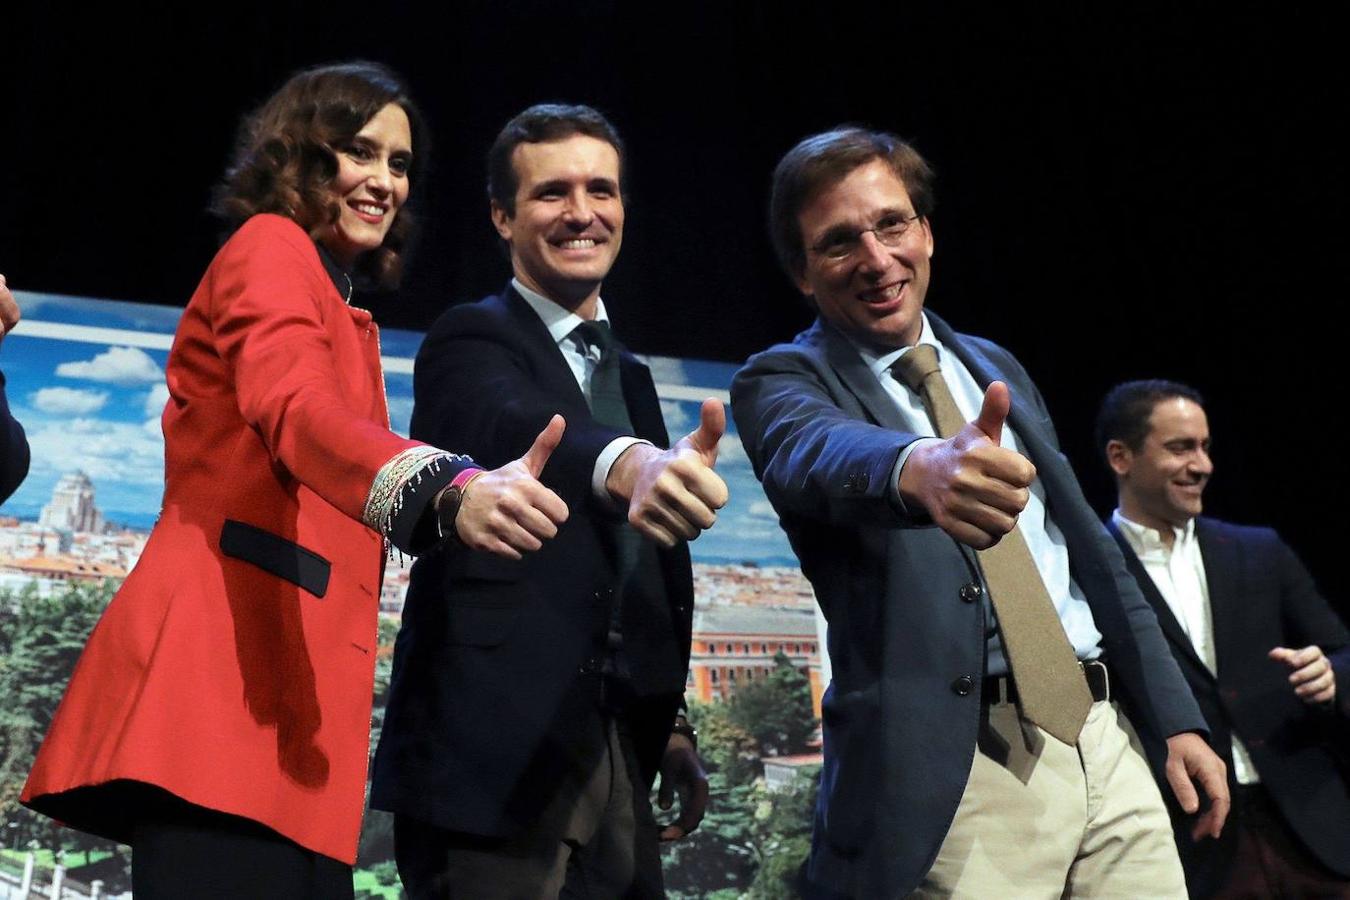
(607, 403)
(608, 408)
(1050, 683)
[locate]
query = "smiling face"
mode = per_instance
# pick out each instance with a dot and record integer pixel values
(875, 295)
(371, 184)
(1161, 483)
(568, 222)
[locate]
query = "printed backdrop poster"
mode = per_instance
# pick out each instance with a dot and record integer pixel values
(86, 379)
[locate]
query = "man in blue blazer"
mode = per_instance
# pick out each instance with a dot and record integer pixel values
(534, 701)
(934, 778)
(1266, 657)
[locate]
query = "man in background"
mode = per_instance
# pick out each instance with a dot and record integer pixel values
(1266, 657)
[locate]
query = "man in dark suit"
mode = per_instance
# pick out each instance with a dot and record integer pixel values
(533, 702)
(13, 443)
(952, 765)
(1266, 657)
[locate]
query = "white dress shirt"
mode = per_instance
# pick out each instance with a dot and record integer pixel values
(1043, 537)
(582, 359)
(1178, 572)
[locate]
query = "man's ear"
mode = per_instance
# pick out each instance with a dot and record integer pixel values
(500, 220)
(799, 281)
(1119, 457)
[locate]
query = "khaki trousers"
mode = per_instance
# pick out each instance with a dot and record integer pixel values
(1042, 819)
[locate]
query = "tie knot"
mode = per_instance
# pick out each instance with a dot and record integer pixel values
(596, 334)
(916, 364)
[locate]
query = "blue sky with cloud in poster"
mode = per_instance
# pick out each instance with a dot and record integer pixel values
(86, 379)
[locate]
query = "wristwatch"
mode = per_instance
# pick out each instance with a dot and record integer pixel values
(682, 727)
(449, 500)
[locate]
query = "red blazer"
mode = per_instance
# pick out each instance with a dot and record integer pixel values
(234, 668)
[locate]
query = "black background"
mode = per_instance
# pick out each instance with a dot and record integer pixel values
(1124, 190)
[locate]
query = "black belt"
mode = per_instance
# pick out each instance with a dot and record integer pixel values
(1002, 688)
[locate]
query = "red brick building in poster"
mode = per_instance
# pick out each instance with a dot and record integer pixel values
(734, 644)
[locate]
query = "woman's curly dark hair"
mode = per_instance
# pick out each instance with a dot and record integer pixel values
(285, 159)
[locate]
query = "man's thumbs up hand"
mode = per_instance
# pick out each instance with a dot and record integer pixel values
(971, 487)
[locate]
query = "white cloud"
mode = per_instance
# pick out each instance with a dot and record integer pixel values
(116, 365)
(155, 400)
(763, 509)
(124, 452)
(730, 451)
(62, 401)
(678, 421)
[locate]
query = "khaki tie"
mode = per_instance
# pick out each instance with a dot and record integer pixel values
(1050, 684)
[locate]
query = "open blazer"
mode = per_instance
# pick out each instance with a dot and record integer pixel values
(234, 668)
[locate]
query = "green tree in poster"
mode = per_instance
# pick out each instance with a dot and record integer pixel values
(40, 640)
(776, 710)
(752, 840)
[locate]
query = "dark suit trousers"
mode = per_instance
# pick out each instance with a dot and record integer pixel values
(182, 850)
(1270, 861)
(594, 840)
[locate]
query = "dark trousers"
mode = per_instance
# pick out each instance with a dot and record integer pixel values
(1269, 861)
(184, 850)
(595, 840)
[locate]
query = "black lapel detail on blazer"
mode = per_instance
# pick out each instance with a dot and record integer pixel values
(553, 367)
(1167, 621)
(273, 553)
(843, 357)
(1223, 573)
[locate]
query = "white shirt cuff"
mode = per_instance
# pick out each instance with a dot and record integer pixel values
(605, 461)
(900, 464)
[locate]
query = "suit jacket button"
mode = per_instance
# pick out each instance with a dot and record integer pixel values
(862, 482)
(971, 592)
(963, 686)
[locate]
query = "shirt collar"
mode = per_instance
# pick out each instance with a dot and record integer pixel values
(1145, 540)
(878, 365)
(559, 320)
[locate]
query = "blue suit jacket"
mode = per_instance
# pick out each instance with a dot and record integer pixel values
(1260, 597)
(900, 717)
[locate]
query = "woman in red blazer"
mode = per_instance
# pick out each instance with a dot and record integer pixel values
(218, 719)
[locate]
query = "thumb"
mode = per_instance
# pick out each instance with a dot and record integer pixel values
(544, 445)
(712, 424)
(1281, 654)
(665, 794)
(997, 402)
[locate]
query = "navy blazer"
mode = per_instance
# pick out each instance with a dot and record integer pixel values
(1261, 596)
(13, 449)
(906, 644)
(493, 699)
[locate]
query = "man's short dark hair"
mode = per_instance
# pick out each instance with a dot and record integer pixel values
(823, 160)
(1125, 412)
(541, 123)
